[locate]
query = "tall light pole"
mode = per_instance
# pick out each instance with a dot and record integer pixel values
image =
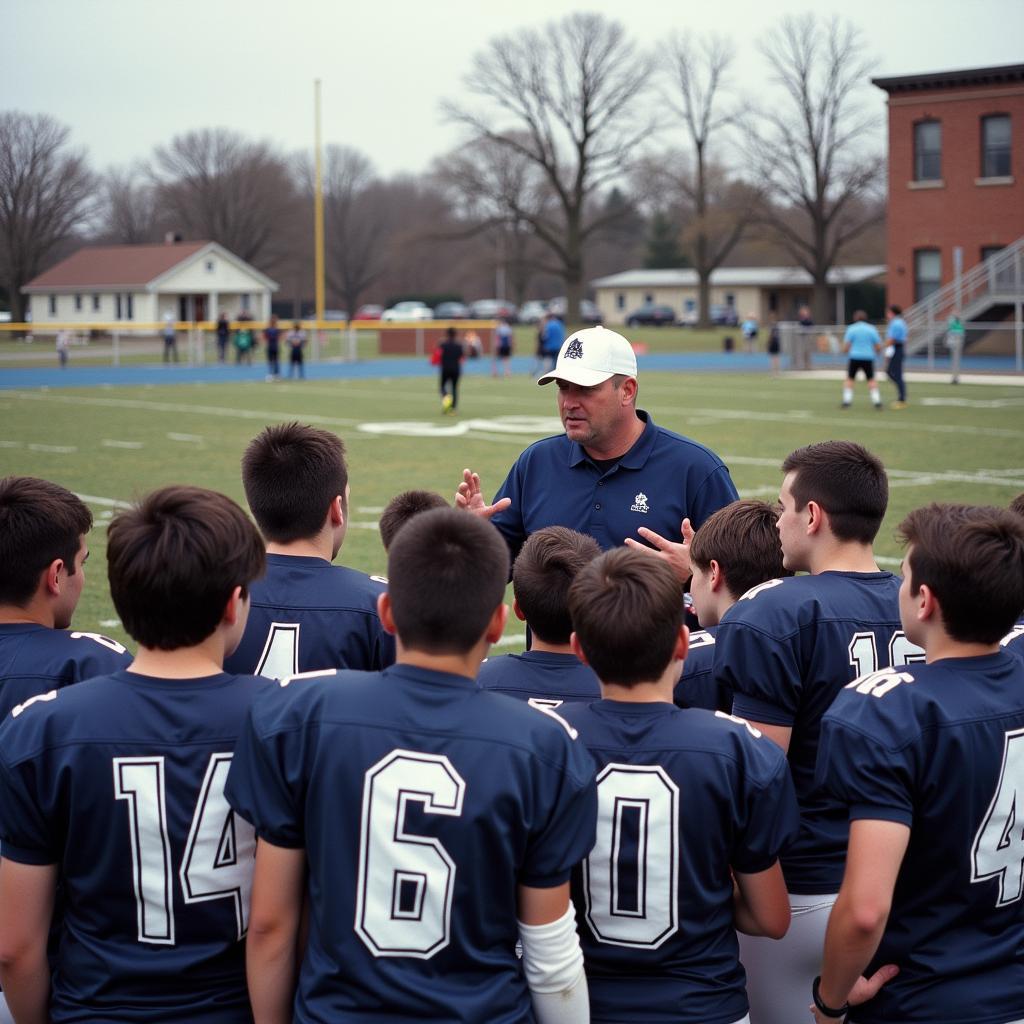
(318, 216)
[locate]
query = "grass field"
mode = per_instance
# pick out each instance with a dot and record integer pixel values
(112, 444)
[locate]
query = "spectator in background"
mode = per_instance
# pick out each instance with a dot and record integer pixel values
(296, 340)
(538, 363)
(223, 329)
(774, 347)
(503, 352)
(862, 344)
(896, 336)
(955, 335)
(451, 354)
(272, 338)
(64, 338)
(170, 338)
(554, 335)
(749, 328)
(244, 339)
(401, 508)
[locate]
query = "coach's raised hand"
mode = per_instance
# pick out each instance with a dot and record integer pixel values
(470, 497)
(676, 554)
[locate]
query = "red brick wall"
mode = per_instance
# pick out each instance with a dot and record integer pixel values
(960, 212)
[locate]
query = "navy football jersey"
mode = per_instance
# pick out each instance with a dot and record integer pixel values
(421, 801)
(940, 748)
(540, 675)
(785, 649)
(1014, 640)
(35, 659)
(307, 614)
(683, 796)
(120, 780)
(697, 686)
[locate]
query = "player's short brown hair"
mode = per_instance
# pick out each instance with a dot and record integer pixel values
(447, 572)
(291, 473)
(847, 481)
(1017, 505)
(402, 507)
(743, 540)
(972, 559)
(542, 574)
(173, 560)
(40, 522)
(626, 610)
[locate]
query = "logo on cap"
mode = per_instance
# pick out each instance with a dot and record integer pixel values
(640, 503)
(575, 349)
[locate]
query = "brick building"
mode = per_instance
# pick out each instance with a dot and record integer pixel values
(956, 173)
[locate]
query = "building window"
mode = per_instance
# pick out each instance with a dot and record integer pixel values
(53, 305)
(131, 306)
(210, 266)
(988, 251)
(117, 306)
(648, 298)
(730, 300)
(927, 273)
(96, 303)
(620, 300)
(78, 303)
(928, 151)
(995, 146)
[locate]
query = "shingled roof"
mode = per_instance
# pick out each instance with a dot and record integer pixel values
(114, 266)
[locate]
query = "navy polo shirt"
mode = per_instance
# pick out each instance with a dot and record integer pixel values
(661, 480)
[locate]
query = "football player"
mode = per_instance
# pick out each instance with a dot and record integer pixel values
(1014, 640)
(549, 671)
(785, 649)
(43, 550)
(928, 760)
(115, 786)
(736, 549)
(401, 508)
(420, 814)
(306, 613)
(688, 801)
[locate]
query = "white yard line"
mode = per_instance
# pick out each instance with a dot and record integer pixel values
(192, 438)
(56, 449)
(110, 443)
(92, 499)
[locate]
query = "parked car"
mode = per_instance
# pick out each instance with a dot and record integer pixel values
(532, 312)
(724, 316)
(411, 309)
(651, 315)
(369, 312)
(589, 313)
(451, 311)
(492, 309)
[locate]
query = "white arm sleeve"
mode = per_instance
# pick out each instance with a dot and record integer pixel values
(553, 964)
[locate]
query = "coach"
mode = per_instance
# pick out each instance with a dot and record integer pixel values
(613, 471)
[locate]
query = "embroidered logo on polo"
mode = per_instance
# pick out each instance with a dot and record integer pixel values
(575, 349)
(640, 503)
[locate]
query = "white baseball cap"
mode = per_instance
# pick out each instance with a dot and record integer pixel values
(589, 357)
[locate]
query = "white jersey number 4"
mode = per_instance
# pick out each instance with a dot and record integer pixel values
(999, 845)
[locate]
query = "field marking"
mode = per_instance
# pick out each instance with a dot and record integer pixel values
(193, 438)
(56, 449)
(392, 393)
(110, 623)
(973, 403)
(178, 407)
(109, 443)
(93, 499)
(510, 641)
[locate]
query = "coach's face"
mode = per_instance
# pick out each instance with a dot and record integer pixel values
(595, 417)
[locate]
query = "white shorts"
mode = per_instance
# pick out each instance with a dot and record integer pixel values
(780, 972)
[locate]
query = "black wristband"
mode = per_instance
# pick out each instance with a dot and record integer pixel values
(827, 1011)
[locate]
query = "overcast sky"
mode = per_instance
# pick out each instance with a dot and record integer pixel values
(127, 75)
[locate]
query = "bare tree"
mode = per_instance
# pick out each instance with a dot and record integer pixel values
(813, 153)
(216, 184)
(717, 208)
(563, 99)
(128, 211)
(45, 195)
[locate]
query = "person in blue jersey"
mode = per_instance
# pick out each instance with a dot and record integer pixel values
(115, 787)
(553, 337)
(785, 650)
(734, 551)
(896, 337)
(306, 614)
(694, 808)
(861, 343)
(612, 472)
(401, 508)
(420, 815)
(43, 549)
(541, 577)
(929, 762)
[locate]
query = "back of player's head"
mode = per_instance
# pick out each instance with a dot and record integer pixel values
(173, 560)
(291, 473)
(896, 310)
(542, 575)
(1017, 505)
(39, 522)
(402, 507)
(626, 610)
(447, 572)
(743, 540)
(847, 481)
(860, 315)
(972, 559)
